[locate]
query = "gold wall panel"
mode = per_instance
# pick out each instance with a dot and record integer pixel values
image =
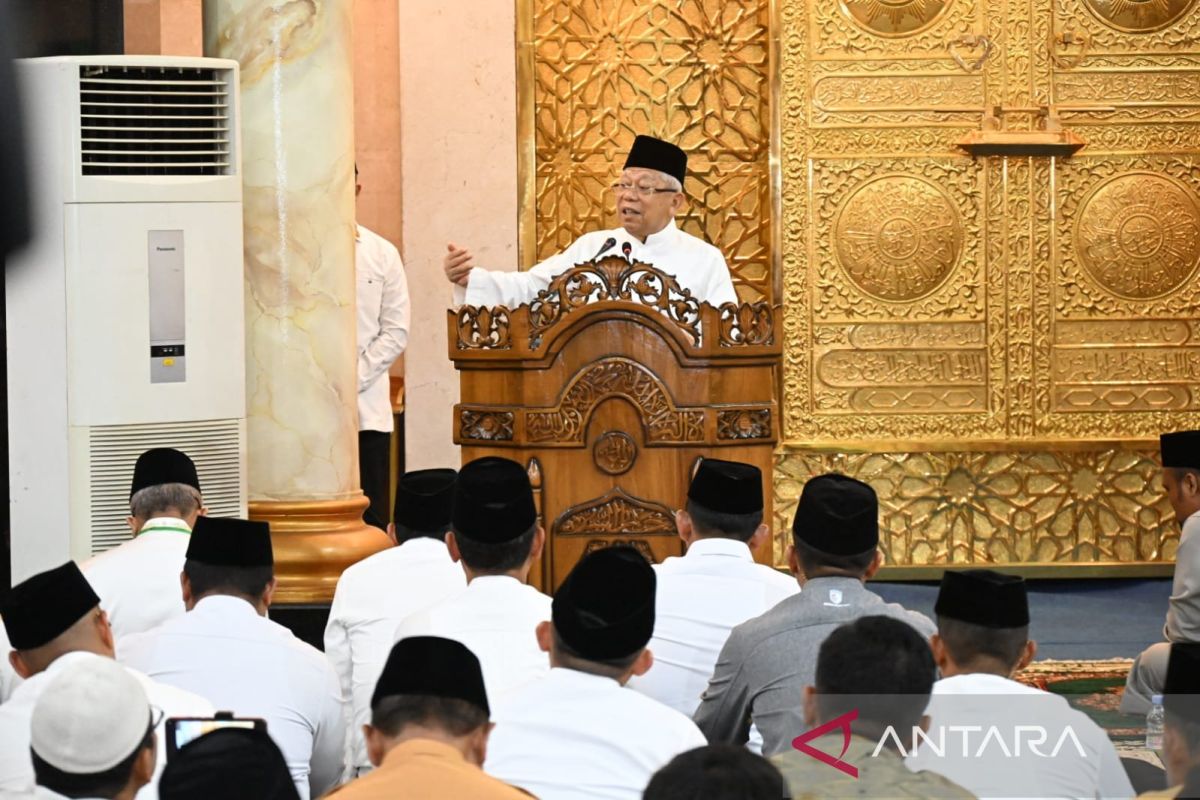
(595, 73)
(994, 343)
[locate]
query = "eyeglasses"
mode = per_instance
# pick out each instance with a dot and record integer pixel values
(641, 191)
(156, 717)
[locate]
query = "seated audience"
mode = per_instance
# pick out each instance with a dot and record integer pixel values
(982, 640)
(226, 650)
(1181, 479)
(1181, 728)
(767, 661)
(55, 622)
(716, 772)
(138, 582)
(429, 727)
(578, 732)
(230, 764)
(91, 733)
(880, 671)
(712, 588)
(496, 535)
(375, 594)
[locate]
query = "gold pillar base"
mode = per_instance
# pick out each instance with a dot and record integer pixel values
(314, 541)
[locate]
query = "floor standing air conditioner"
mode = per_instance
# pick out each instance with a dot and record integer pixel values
(125, 322)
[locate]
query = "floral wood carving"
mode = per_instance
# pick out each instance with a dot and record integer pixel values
(636, 544)
(613, 278)
(616, 513)
(483, 425)
(747, 324)
(615, 377)
(483, 328)
(744, 423)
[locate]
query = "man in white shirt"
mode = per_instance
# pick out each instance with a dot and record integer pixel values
(92, 733)
(383, 317)
(226, 650)
(1181, 479)
(649, 195)
(1026, 742)
(714, 587)
(377, 593)
(496, 536)
(56, 624)
(138, 582)
(579, 732)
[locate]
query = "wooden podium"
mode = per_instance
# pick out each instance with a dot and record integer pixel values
(609, 386)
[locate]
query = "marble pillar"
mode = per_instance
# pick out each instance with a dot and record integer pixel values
(297, 135)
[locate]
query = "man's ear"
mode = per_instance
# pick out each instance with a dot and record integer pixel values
(684, 526)
(793, 563)
(539, 541)
(545, 635)
(104, 629)
(761, 534)
(134, 524)
(143, 766)
(376, 745)
(476, 750)
(391, 532)
(811, 713)
(18, 664)
(269, 592)
(941, 657)
(1027, 654)
(185, 588)
(876, 563)
(641, 664)
(452, 546)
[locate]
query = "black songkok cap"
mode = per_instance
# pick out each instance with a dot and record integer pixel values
(230, 542)
(1180, 449)
(431, 666)
(728, 487)
(41, 608)
(229, 763)
(983, 597)
(163, 465)
(423, 500)
(605, 607)
(493, 501)
(1181, 690)
(837, 515)
(650, 153)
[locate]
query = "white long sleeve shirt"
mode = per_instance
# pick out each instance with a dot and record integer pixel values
(985, 723)
(496, 617)
(383, 318)
(225, 652)
(16, 769)
(695, 263)
(573, 735)
(138, 582)
(371, 599)
(701, 596)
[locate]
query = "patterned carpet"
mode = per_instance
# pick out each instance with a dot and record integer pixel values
(1093, 687)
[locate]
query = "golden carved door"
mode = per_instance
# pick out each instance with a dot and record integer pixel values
(994, 343)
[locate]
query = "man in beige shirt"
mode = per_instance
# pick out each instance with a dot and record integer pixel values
(429, 727)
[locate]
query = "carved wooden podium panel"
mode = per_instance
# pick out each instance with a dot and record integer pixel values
(609, 386)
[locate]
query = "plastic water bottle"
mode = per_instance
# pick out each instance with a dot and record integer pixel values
(1154, 725)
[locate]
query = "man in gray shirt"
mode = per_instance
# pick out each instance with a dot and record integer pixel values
(767, 661)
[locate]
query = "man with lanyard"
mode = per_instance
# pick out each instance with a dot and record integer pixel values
(1181, 480)
(649, 195)
(138, 582)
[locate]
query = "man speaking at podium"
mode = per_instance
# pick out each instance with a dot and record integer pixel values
(649, 195)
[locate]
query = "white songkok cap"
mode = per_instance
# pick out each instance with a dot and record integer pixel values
(90, 718)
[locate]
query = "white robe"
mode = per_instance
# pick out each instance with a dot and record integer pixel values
(695, 263)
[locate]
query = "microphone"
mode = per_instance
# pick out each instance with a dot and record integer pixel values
(608, 245)
(627, 249)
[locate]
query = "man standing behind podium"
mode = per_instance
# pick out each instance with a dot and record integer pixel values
(649, 195)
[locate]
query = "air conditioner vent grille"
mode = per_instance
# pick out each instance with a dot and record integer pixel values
(216, 446)
(155, 120)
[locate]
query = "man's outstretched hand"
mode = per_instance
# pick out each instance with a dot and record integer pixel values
(458, 264)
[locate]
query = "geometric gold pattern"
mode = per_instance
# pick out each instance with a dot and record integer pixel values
(693, 72)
